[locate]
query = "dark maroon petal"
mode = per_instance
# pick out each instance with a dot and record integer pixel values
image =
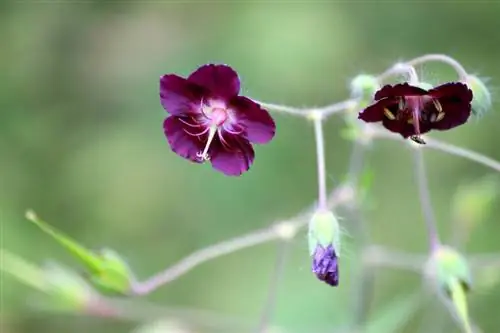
(399, 90)
(402, 127)
(258, 125)
(183, 144)
(375, 112)
(178, 96)
(221, 80)
(232, 158)
(455, 100)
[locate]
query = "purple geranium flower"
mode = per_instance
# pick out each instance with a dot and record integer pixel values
(412, 111)
(210, 121)
(325, 265)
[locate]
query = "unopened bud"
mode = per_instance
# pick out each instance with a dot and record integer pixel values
(481, 101)
(446, 263)
(364, 87)
(324, 246)
(453, 279)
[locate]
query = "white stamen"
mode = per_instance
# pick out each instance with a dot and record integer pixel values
(211, 134)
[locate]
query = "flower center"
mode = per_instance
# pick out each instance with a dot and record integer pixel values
(215, 117)
(218, 116)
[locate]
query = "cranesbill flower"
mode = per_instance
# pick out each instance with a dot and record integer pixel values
(412, 111)
(209, 120)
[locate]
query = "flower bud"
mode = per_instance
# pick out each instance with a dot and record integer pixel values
(450, 272)
(364, 87)
(68, 291)
(106, 270)
(446, 263)
(324, 246)
(481, 102)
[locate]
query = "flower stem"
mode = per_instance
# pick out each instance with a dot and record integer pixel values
(462, 73)
(325, 111)
(320, 155)
(425, 200)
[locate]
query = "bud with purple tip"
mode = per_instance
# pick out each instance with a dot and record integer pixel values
(324, 246)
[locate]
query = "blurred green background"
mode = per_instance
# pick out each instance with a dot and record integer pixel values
(81, 142)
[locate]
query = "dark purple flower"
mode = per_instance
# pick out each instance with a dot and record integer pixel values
(411, 111)
(210, 121)
(325, 265)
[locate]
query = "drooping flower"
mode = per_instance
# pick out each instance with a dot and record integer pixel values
(412, 111)
(209, 120)
(325, 265)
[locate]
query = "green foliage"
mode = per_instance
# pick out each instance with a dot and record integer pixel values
(106, 270)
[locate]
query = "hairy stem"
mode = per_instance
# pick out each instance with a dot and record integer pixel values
(325, 111)
(320, 156)
(462, 73)
(279, 268)
(448, 148)
(425, 200)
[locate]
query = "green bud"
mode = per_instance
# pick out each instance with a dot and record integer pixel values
(68, 291)
(106, 270)
(481, 101)
(453, 278)
(364, 87)
(115, 276)
(324, 230)
(446, 264)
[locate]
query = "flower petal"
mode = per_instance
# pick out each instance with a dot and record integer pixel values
(375, 112)
(179, 96)
(181, 143)
(402, 127)
(221, 80)
(455, 100)
(398, 90)
(234, 157)
(257, 122)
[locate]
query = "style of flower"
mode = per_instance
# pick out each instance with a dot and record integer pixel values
(209, 120)
(412, 111)
(325, 265)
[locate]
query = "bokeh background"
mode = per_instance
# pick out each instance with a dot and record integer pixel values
(81, 142)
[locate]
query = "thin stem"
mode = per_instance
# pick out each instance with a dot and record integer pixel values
(463, 152)
(272, 293)
(204, 255)
(320, 156)
(275, 231)
(442, 146)
(425, 199)
(401, 68)
(462, 73)
(325, 111)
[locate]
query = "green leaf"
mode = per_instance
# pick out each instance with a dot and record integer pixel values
(65, 291)
(27, 273)
(106, 270)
